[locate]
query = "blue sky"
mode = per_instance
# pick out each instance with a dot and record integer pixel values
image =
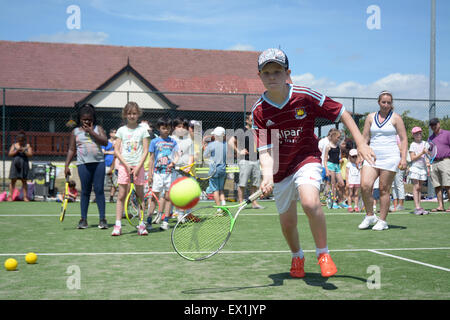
(328, 43)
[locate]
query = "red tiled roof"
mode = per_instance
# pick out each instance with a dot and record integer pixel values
(87, 67)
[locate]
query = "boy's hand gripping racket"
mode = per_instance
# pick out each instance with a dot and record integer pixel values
(203, 232)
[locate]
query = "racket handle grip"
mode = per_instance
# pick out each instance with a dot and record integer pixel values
(256, 195)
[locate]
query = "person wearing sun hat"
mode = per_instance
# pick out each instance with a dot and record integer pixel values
(216, 151)
(418, 172)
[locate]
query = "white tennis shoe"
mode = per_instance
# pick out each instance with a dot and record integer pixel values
(368, 220)
(164, 225)
(157, 218)
(142, 231)
(380, 225)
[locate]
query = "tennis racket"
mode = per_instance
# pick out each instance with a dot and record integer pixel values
(203, 232)
(330, 200)
(203, 171)
(65, 200)
(361, 205)
(431, 151)
(133, 205)
(149, 198)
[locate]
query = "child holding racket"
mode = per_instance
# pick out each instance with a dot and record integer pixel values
(131, 148)
(86, 141)
(163, 155)
(185, 151)
(283, 119)
(419, 169)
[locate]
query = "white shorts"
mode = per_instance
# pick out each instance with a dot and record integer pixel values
(286, 190)
(161, 182)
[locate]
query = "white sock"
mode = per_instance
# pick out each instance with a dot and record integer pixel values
(298, 254)
(223, 202)
(319, 251)
(119, 223)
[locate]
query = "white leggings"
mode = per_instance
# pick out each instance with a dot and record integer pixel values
(398, 187)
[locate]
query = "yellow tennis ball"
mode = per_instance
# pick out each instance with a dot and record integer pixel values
(11, 264)
(185, 192)
(31, 258)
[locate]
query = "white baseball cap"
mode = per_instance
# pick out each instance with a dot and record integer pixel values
(218, 131)
(353, 152)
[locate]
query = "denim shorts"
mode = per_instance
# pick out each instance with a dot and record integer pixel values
(333, 167)
(217, 183)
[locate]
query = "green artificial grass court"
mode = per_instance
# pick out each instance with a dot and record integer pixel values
(408, 261)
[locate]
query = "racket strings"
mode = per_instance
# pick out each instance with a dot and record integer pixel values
(198, 238)
(133, 208)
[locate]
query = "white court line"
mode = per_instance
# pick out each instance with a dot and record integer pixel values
(221, 252)
(409, 260)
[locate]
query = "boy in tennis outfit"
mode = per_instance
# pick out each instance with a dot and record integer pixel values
(163, 156)
(283, 120)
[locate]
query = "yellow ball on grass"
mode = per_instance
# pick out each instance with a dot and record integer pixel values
(11, 264)
(31, 258)
(185, 193)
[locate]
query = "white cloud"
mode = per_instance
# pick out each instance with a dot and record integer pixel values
(402, 86)
(242, 47)
(73, 36)
(184, 12)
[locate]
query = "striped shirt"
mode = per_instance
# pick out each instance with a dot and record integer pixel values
(288, 128)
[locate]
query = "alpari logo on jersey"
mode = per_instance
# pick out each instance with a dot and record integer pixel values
(290, 135)
(300, 113)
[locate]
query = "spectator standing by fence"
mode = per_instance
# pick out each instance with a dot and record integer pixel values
(20, 151)
(217, 152)
(248, 161)
(440, 168)
(398, 188)
(86, 141)
(108, 151)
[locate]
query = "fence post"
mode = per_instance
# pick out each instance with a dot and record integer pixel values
(353, 109)
(4, 137)
(245, 108)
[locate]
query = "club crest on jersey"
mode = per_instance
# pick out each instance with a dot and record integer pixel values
(300, 113)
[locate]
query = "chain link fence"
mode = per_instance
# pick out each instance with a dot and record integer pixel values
(47, 116)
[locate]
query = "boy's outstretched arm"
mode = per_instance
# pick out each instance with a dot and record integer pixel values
(364, 151)
(266, 162)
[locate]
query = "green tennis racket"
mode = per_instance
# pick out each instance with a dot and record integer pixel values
(133, 205)
(65, 200)
(203, 232)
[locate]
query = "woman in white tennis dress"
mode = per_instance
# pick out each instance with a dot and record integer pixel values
(381, 129)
